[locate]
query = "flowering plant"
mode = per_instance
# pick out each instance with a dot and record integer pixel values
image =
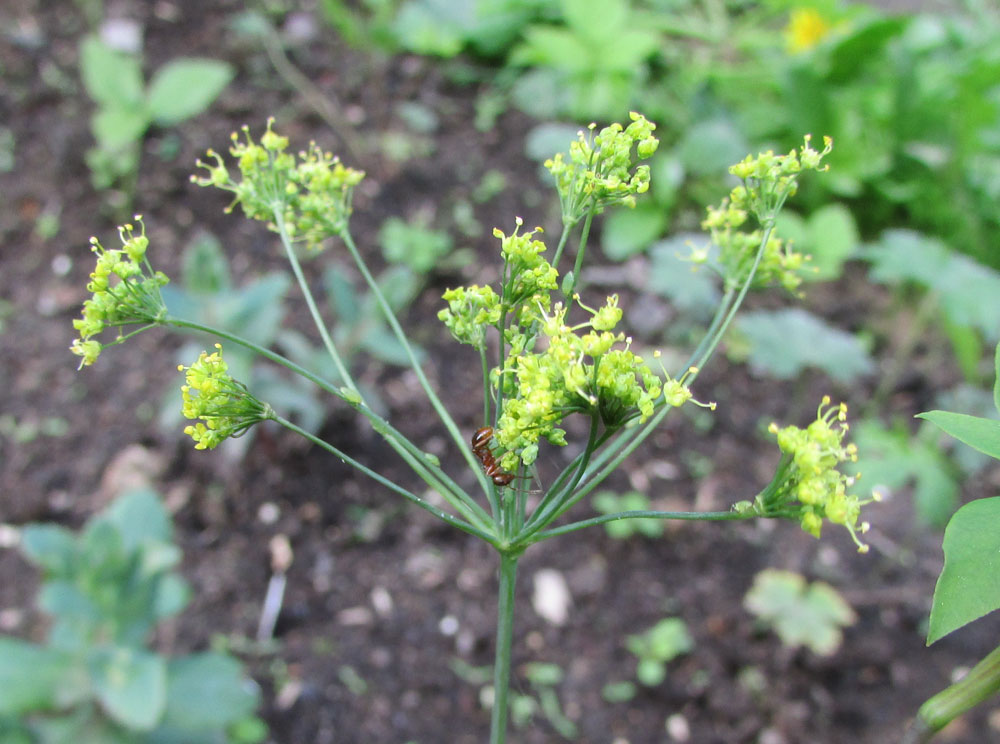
(549, 367)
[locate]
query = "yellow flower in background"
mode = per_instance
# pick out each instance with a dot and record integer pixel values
(806, 28)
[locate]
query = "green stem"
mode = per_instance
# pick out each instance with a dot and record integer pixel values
(390, 317)
(627, 441)
(578, 264)
(279, 221)
(451, 490)
(505, 641)
(344, 457)
(567, 229)
(980, 683)
(550, 504)
(726, 516)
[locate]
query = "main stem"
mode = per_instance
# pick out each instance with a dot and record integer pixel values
(505, 641)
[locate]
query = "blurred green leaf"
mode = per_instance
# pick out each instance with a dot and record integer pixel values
(185, 87)
(113, 79)
(207, 691)
(693, 289)
(801, 614)
(969, 292)
(140, 517)
(628, 231)
(117, 126)
(31, 676)
(204, 267)
(829, 236)
(893, 458)
(131, 685)
(783, 343)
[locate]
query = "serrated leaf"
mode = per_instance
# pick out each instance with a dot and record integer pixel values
(969, 585)
(801, 614)
(185, 87)
(979, 433)
(112, 78)
(785, 342)
(969, 292)
(131, 685)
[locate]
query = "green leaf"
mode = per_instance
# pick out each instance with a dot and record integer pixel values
(782, 343)
(801, 614)
(31, 676)
(628, 231)
(112, 78)
(969, 585)
(183, 88)
(131, 685)
(979, 433)
(207, 691)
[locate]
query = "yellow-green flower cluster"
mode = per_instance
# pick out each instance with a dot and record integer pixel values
(807, 486)
(527, 277)
(601, 170)
(225, 406)
(311, 193)
(779, 263)
(470, 311)
(125, 291)
(769, 179)
(579, 371)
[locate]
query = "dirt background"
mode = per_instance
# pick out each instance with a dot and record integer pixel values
(381, 598)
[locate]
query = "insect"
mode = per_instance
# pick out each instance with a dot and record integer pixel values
(481, 447)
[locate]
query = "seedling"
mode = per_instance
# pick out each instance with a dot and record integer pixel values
(126, 107)
(658, 646)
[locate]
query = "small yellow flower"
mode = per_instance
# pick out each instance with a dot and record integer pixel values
(806, 28)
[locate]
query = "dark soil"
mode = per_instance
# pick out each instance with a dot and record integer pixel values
(382, 600)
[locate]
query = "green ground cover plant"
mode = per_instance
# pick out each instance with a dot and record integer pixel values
(547, 355)
(95, 679)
